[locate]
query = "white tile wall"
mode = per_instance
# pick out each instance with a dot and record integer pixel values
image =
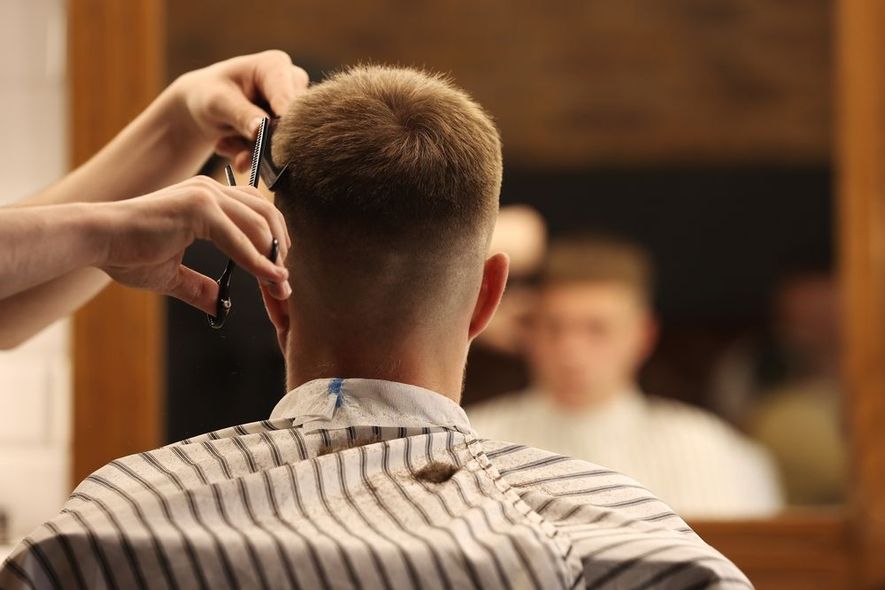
(35, 386)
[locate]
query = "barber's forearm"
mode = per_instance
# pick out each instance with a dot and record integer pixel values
(160, 147)
(25, 314)
(42, 278)
(38, 244)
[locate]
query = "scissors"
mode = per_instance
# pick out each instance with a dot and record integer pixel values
(223, 304)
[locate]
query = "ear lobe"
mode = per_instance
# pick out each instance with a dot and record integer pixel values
(494, 279)
(278, 312)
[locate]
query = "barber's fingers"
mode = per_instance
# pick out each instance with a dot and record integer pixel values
(253, 199)
(231, 146)
(278, 80)
(261, 230)
(231, 108)
(259, 220)
(269, 76)
(195, 289)
(221, 195)
(245, 224)
(216, 225)
(242, 161)
(237, 150)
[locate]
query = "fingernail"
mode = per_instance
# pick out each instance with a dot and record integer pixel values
(287, 290)
(254, 125)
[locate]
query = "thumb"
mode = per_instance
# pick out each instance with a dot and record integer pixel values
(195, 289)
(235, 110)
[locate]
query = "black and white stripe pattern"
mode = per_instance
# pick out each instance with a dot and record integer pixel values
(333, 494)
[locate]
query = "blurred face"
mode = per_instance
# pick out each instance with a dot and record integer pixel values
(588, 341)
(807, 317)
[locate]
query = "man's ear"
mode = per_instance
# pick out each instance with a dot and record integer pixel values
(278, 312)
(494, 279)
(650, 334)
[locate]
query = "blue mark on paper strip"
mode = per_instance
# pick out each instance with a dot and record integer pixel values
(336, 389)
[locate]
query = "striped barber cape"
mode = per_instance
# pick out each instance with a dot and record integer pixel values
(362, 484)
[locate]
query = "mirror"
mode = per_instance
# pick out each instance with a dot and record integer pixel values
(695, 135)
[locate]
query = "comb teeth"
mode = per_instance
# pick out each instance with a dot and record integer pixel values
(256, 153)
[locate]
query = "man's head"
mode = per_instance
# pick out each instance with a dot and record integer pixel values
(391, 195)
(594, 325)
(806, 321)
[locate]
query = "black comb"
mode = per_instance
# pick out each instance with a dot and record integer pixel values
(258, 152)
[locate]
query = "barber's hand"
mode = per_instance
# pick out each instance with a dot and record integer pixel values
(144, 238)
(222, 99)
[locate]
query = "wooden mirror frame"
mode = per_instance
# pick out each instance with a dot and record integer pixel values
(116, 64)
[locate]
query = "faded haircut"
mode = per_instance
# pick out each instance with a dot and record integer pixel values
(390, 170)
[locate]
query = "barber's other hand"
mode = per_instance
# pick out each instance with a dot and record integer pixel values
(144, 239)
(223, 100)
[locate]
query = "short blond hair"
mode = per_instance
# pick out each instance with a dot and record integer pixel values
(390, 150)
(600, 258)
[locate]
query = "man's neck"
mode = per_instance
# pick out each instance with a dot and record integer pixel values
(413, 364)
(593, 399)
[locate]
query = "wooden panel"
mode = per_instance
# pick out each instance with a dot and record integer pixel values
(799, 550)
(116, 62)
(573, 82)
(861, 174)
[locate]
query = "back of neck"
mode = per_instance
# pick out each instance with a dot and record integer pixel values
(433, 367)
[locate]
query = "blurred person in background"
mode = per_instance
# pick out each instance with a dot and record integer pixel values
(496, 363)
(784, 388)
(593, 329)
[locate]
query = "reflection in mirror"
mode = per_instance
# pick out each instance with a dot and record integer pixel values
(695, 375)
(671, 311)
